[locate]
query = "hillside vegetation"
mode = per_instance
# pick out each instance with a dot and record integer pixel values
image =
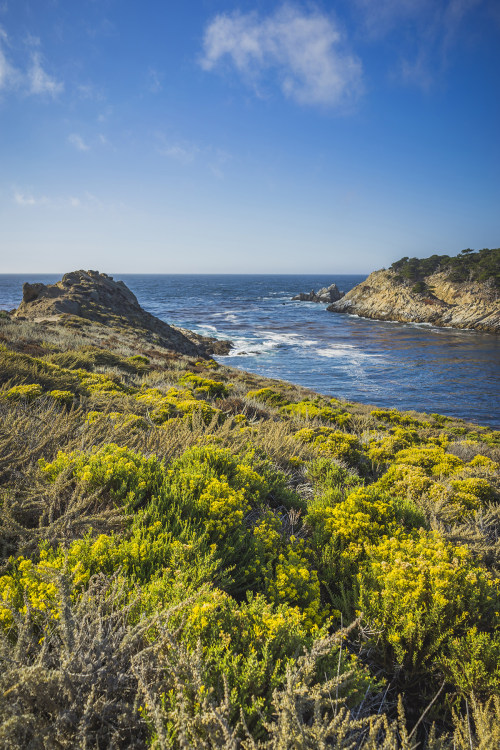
(469, 265)
(195, 557)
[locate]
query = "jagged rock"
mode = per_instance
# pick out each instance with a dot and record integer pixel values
(96, 297)
(327, 294)
(442, 302)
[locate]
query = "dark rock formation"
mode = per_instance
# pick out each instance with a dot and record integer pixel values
(436, 299)
(326, 295)
(96, 297)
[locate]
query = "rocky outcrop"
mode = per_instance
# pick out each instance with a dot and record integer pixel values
(435, 299)
(326, 295)
(97, 298)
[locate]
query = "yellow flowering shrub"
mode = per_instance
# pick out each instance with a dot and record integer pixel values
(252, 642)
(484, 465)
(340, 445)
(62, 397)
(223, 507)
(28, 392)
(465, 495)
(308, 409)
(126, 475)
(297, 584)
(205, 386)
(97, 383)
(420, 591)
(393, 416)
(27, 585)
(268, 396)
(342, 532)
(404, 481)
(174, 402)
(383, 449)
(268, 533)
(435, 461)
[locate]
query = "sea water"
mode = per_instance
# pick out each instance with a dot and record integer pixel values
(408, 366)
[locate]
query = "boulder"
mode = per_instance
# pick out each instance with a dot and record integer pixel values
(326, 295)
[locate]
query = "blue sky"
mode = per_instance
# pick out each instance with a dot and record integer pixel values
(203, 136)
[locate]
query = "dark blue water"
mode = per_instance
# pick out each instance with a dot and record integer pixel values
(387, 364)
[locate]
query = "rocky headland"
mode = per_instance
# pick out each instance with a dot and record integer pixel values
(456, 293)
(326, 295)
(90, 297)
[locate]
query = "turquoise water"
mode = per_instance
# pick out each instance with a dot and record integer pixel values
(386, 364)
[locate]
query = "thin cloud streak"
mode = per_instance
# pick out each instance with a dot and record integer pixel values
(88, 201)
(428, 32)
(78, 142)
(302, 50)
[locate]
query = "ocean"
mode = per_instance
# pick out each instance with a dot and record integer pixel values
(408, 366)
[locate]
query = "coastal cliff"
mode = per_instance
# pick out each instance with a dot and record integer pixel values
(443, 297)
(93, 298)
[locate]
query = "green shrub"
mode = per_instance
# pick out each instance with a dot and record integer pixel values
(269, 397)
(205, 386)
(127, 476)
(421, 592)
(27, 392)
(62, 397)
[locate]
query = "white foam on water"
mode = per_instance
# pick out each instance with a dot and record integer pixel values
(206, 327)
(281, 338)
(347, 351)
(248, 347)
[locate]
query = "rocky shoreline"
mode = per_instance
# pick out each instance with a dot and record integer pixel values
(436, 300)
(95, 299)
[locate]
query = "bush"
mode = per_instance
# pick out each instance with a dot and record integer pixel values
(126, 476)
(422, 592)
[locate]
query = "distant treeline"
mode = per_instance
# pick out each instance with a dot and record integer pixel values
(469, 265)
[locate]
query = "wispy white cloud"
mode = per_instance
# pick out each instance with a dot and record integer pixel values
(424, 32)
(155, 81)
(187, 153)
(33, 79)
(302, 50)
(218, 159)
(105, 115)
(183, 152)
(380, 17)
(78, 142)
(86, 201)
(10, 77)
(40, 82)
(27, 199)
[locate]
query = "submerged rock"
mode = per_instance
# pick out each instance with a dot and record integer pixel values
(96, 297)
(326, 295)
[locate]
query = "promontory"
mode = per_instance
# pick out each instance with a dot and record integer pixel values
(461, 291)
(94, 304)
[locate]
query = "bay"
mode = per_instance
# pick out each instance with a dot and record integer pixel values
(408, 366)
